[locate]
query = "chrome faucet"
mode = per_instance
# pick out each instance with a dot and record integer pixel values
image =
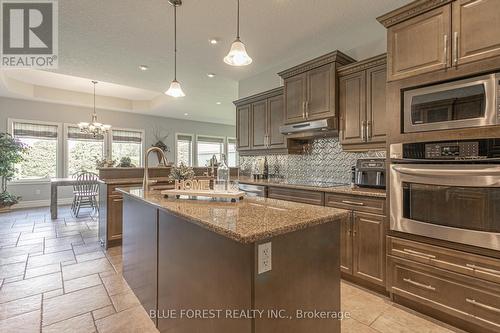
(145, 181)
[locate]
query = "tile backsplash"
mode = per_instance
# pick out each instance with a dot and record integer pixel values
(325, 161)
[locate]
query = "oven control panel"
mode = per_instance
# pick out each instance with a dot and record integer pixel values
(452, 150)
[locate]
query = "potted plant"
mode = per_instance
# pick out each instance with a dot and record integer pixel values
(182, 172)
(11, 152)
(125, 162)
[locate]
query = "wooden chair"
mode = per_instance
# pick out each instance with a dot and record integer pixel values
(85, 192)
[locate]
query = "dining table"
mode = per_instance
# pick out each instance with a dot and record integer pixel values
(55, 183)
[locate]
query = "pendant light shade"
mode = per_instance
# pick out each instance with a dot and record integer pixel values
(175, 89)
(94, 128)
(238, 55)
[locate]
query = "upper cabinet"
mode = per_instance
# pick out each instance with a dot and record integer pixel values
(362, 96)
(258, 121)
(427, 36)
(311, 88)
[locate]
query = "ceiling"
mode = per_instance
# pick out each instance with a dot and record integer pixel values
(108, 40)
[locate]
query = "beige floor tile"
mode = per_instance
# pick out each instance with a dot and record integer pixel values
(63, 241)
(89, 256)
(15, 259)
(362, 306)
(80, 324)
(85, 248)
(29, 287)
(25, 323)
(13, 279)
(42, 270)
(86, 268)
(53, 293)
(397, 320)
(51, 258)
(103, 312)
(10, 270)
(20, 306)
(113, 251)
(124, 301)
(131, 320)
(74, 304)
(20, 250)
(81, 283)
(115, 284)
(354, 326)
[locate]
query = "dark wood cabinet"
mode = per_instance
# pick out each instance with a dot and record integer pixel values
(346, 261)
(429, 36)
(362, 104)
(311, 88)
(243, 127)
(259, 126)
(115, 211)
(296, 195)
(275, 118)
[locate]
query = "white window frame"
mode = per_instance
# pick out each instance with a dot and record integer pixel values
(59, 149)
(192, 150)
(227, 150)
(109, 148)
(224, 142)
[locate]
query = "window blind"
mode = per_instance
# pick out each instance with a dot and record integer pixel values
(74, 133)
(30, 130)
(181, 137)
(210, 140)
(127, 136)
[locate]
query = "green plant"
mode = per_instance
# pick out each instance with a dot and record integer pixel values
(182, 172)
(104, 163)
(125, 162)
(11, 152)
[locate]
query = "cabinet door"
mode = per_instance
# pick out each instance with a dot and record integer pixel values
(376, 80)
(352, 108)
(420, 45)
(295, 98)
(319, 92)
(243, 127)
(276, 118)
(476, 30)
(259, 125)
(346, 245)
(115, 211)
(368, 244)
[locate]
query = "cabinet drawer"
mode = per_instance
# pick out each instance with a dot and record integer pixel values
(112, 188)
(303, 196)
(358, 203)
(468, 298)
(481, 267)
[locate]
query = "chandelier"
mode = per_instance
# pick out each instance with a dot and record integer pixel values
(94, 128)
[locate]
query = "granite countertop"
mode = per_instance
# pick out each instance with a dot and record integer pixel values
(343, 189)
(122, 181)
(247, 221)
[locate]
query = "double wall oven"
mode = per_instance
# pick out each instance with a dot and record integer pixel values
(447, 190)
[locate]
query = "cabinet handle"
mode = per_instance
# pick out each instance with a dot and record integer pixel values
(430, 256)
(446, 51)
(307, 109)
(268, 141)
(485, 270)
(304, 109)
(363, 131)
(481, 305)
(348, 202)
(117, 200)
(455, 49)
(368, 130)
(418, 284)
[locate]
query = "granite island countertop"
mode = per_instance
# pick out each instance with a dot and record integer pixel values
(247, 221)
(343, 189)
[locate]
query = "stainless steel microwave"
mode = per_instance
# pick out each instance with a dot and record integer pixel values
(473, 102)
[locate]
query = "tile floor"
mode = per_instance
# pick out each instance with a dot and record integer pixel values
(54, 277)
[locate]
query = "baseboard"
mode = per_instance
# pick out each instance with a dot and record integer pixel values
(41, 203)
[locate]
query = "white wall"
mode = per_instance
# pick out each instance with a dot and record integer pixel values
(33, 110)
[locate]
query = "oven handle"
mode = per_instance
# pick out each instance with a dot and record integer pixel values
(490, 171)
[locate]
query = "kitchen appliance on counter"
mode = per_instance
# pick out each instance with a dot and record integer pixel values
(369, 173)
(447, 190)
(472, 102)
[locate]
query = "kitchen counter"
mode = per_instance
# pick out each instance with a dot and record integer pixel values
(344, 189)
(122, 181)
(247, 221)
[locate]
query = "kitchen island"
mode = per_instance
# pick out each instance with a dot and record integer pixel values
(205, 265)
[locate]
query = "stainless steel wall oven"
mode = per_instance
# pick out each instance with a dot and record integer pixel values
(472, 102)
(447, 190)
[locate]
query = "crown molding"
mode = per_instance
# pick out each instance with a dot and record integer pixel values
(413, 9)
(333, 57)
(260, 96)
(362, 65)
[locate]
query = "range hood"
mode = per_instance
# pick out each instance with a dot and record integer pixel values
(311, 129)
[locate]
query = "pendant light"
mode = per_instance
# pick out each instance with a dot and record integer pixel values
(238, 55)
(94, 128)
(175, 89)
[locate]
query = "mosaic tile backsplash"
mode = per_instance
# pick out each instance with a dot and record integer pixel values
(325, 161)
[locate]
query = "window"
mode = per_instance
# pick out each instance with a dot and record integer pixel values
(232, 154)
(41, 159)
(206, 147)
(126, 143)
(184, 149)
(83, 151)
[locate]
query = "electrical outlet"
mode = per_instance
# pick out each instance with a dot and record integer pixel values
(264, 257)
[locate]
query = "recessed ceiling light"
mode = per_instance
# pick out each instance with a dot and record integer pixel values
(213, 41)
(218, 103)
(186, 114)
(143, 67)
(211, 75)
